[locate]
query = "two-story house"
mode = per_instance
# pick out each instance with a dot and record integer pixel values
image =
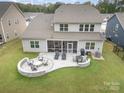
(115, 29)
(69, 29)
(12, 21)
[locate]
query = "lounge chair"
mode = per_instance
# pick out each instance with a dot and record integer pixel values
(56, 57)
(63, 56)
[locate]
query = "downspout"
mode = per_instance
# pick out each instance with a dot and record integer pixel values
(3, 29)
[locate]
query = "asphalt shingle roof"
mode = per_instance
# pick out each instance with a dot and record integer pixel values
(120, 17)
(77, 14)
(3, 7)
(41, 28)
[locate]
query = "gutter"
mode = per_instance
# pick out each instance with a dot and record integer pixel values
(1, 23)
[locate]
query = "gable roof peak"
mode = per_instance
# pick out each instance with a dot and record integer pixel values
(77, 13)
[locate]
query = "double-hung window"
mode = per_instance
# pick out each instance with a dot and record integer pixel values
(90, 45)
(63, 27)
(34, 44)
(87, 45)
(81, 27)
(37, 44)
(86, 27)
(91, 27)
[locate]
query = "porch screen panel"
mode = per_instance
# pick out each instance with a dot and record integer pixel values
(64, 46)
(50, 46)
(74, 46)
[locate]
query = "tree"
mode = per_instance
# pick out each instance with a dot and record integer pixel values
(104, 7)
(40, 8)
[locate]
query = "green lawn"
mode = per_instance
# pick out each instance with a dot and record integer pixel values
(100, 77)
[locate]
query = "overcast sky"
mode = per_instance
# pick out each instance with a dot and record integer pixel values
(51, 1)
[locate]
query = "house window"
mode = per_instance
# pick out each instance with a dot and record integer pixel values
(9, 23)
(86, 27)
(87, 45)
(63, 27)
(34, 44)
(37, 44)
(16, 21)
(90, 45)
(81, 27)
(91, 27)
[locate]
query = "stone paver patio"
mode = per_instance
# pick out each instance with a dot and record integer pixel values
(52, 64)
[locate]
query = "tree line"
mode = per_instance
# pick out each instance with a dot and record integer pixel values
(45, 8)
(102, 6)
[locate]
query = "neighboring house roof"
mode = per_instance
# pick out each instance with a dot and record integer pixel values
(77, 14)
(106, 16)
(120, 17)
(31, 14)
(4, 7)
(41, 28)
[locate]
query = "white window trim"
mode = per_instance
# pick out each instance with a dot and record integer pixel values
(90, 27)
(63, 28)
(34, 44)
(90, 45)
(83, 27)
(78, 29)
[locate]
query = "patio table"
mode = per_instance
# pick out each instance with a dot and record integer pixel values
(36, 63)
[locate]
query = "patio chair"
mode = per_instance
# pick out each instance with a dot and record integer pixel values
(82, 52)
(30, 62)
(63, 56)
(33, 68)
(40, 58)
(45, 62)
(79, 59)
(56, 57)
(84, 58)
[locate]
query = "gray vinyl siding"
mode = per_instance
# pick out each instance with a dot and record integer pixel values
(111, 33)
(27, 46)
